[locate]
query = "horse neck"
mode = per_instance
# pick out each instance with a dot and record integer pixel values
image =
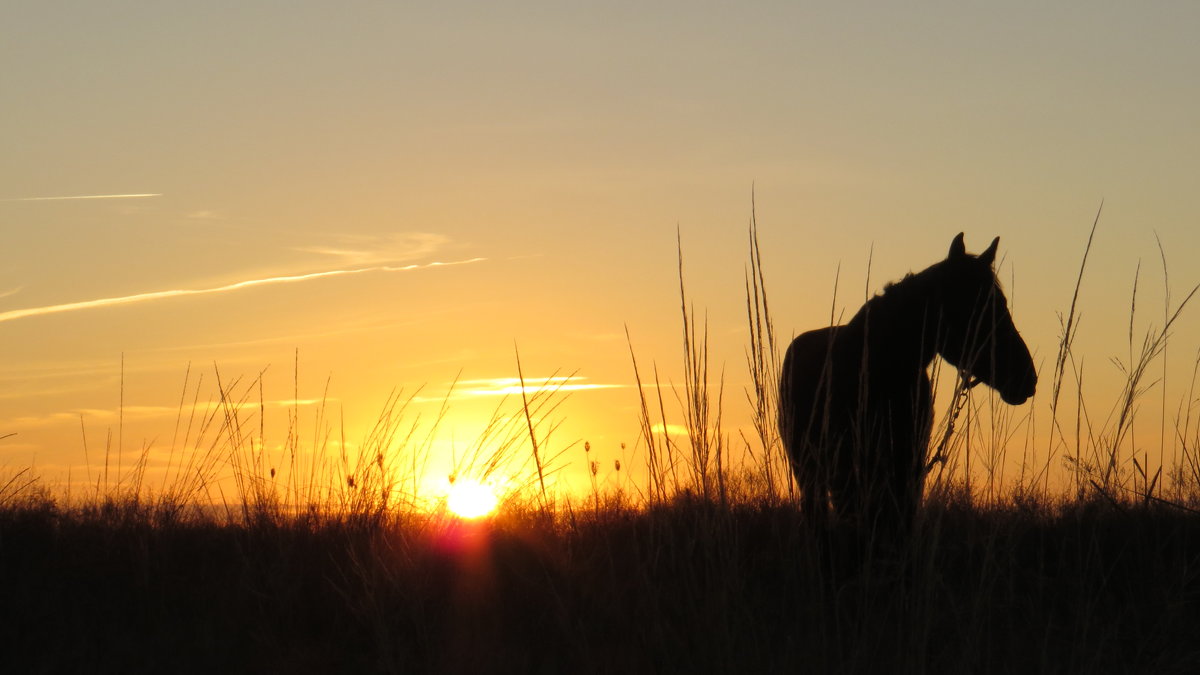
(899, 326)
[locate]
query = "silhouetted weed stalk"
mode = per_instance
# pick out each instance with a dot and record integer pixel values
(322, 554)
(763, 363)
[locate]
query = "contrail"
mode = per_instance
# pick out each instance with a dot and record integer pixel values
(14, 314)
(59, 199)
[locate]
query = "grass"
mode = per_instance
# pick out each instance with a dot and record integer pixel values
(688, 585)
(324, 561)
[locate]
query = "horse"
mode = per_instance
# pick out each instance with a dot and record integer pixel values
(855, 411)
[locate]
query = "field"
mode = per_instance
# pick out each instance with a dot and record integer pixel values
(687, 586)
(709, 566)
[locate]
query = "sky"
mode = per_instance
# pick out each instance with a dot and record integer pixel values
(358, 197)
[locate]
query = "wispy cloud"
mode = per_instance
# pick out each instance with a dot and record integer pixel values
(62, 199)
(506, 386)
(203, 215)
(11, 291)
(669, 429)
(138, 413)
(130, 412)
(511, 386)
(371, 249)
(15, 314)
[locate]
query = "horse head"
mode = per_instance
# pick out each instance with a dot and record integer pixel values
(975, 329)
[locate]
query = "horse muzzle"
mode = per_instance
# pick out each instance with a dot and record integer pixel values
(1020, 391)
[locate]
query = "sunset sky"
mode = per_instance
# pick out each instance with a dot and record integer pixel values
(403, 192)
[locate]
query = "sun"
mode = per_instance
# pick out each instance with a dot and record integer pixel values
(471, 499)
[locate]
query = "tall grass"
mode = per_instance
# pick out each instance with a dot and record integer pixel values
(763, 364)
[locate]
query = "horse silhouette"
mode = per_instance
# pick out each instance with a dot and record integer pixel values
(855, 400)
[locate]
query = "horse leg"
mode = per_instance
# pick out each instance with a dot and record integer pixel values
(904, 490)
(906, 482)
(814, 487)
(814, 502)
(843, 477)
(910, 468)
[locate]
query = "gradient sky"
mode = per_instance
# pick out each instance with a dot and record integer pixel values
(334, 151)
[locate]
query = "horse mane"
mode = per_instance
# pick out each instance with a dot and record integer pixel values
(912, 285)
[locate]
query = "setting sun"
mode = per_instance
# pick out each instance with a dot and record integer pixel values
(471, 499)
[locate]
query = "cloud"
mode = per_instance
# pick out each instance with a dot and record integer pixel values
(61, 199)
(506, 386)
(11, 292)
(374, 250)
(203, 215)
(669, 429)
(15, 314)
(131, 412)
(290, 402)
(511, 386)
(135, 413)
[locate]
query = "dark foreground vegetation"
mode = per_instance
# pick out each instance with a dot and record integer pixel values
(690, 586)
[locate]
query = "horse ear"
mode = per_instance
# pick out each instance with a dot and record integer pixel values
(957, 248)
(989, 255)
